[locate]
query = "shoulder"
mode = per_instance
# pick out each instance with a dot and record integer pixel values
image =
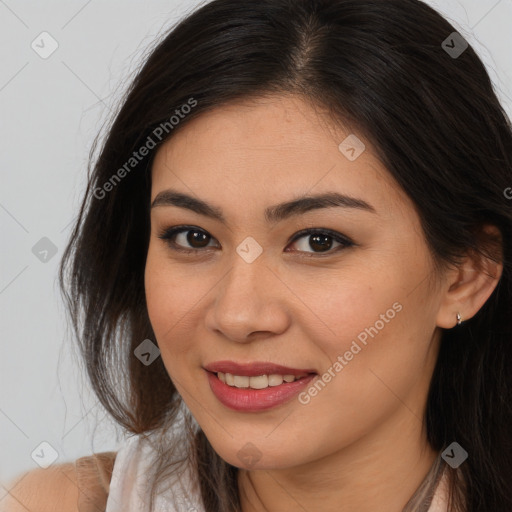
(82, 485)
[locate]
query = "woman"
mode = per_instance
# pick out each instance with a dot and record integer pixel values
(293, 263)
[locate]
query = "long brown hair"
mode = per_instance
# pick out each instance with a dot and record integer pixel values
(437, 126)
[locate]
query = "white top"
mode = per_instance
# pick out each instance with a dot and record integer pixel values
(129, 489)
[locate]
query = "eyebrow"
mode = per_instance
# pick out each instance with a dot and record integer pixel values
(273, 214)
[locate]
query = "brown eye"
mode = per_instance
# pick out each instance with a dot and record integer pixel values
(321, 241)
(187, 239)
(196, 239)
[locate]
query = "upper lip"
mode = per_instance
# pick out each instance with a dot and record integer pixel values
(254, 369)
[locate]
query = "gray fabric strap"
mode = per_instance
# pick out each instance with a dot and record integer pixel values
(422, 498)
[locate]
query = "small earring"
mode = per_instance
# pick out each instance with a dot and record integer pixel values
(459, 319)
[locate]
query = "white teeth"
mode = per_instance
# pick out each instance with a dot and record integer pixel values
(259, 382)
(275, 380)
(241, 381)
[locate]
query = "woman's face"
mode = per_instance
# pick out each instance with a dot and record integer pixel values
(361, 315)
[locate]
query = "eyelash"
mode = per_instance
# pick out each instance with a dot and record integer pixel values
(169, 233)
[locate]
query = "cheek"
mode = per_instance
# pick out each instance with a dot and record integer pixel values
(173, 298)
(354, 308)
(156, 283)
(370, 324)
(382, 310)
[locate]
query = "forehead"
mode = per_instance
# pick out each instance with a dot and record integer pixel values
(267, 150)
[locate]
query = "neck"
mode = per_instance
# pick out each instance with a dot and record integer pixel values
(380, 471)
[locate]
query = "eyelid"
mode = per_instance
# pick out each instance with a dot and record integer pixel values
(168, 233)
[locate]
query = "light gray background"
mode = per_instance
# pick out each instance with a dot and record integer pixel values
(50, 111)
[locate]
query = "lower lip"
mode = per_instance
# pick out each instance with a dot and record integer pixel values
(251, 400)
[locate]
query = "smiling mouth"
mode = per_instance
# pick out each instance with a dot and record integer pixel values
(256, 393)
(258, 381)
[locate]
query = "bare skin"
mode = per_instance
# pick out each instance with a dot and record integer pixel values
(359, 443)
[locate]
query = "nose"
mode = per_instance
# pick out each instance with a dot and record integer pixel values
(250, 302)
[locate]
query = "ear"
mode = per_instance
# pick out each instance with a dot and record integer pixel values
(468, 286)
